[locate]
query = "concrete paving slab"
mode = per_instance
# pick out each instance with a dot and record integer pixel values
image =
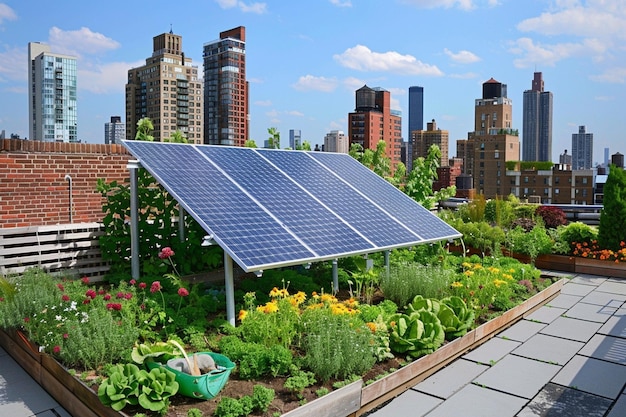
(492, 351)
(451, 379)
(612, 286)
(580, 290)
(555, 400)
(409, 403)
(522, 330)
(546, 314)
(588, 279)
(518, 376)
(604, 299)
(619, 408)
(591, 312)
(608, 348)
(549, 349)
(564, 300)
(615, 326)
(474, 401)
(593, 376)
(573, 329)
(23, 397)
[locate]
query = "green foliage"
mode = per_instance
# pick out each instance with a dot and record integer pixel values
(258, 402)
(262, 397)
(272, 329)
(250, 144)
(419, 182)
(121, 387)
(526, 211)
(155, 389)
(298, 381)
(176, 137)
(335, 345)
(535, 242)
(416, 334)
(369, 312)
(577, 232)
(455, 317)
(143, 351)
(499, 212)
(157, 228)
(274, 138)
(406, 280)
(230, 407)
(480, 235)
(144, 130)
(194, 412)
(612, 229)
(256, 360)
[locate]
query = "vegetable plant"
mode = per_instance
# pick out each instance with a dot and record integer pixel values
(416, 334)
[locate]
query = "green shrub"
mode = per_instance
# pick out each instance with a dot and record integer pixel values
(577, 232)
(298, 381)
(335, 345)
(259, 401)
(533, 243)
(612, 229)
(407, 280)
(256, 360)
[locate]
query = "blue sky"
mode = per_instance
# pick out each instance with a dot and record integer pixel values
(306, 58)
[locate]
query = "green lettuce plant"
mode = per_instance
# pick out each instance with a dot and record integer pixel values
(155, 389)
(455, 317)
(416, 334)
(121, 387)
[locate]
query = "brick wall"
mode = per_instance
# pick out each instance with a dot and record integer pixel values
(33, 189)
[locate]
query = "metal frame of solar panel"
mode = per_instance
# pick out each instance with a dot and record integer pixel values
(271, 208)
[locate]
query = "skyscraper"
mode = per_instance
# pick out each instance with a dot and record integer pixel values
(422, 140)
(582, 149)
(493, 141)
(226, 89)
(336, 141)
(167, 90)
(373, 121)
(114, 131)
(52, 95)
(537, 122)
(295, 138)
(416, 109)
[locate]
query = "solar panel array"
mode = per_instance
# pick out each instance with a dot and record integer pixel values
(269, 208)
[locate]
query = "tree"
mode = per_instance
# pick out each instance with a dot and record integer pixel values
(177, 137)
(612, 229)
(250, 144)
(419, 183)
(144, 130)
(274, 139)
(305, 146)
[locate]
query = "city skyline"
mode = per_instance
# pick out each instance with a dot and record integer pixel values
(303, 75)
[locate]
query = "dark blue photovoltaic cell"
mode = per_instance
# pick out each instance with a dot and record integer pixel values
(392, 200)
(365, 216)
(251, 235)
(271, 208)
(293, 206)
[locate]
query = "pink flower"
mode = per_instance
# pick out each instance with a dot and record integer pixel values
(132, 282)
(183, 292)
(120, 295)
(166, 252)
(91, 294)
(107, 297)
(65, 297)
(142, 285)
(85, 280)
(60, 286)
(87, 301)
(156, 286)
(56, 349)
(114, 306)
(26, 319)
(128, 295)
(66, 336)
(1, 299)
(101, 291)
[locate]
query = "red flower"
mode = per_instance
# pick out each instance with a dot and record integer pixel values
(128, 295)
(107, 297)
(66, 336)
(85, 280)
(142, 285)
(183, 292)
(166, 252)
(114, 306)
(1, 299)
(60, 286)
(101, 291)
(132, 282)
(156, 286)
(120, 295)
(26, 319)
(87, 301)
(65, 297)
(56, 349)
(91, 294)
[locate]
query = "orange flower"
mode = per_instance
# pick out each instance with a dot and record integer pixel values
(242, 314)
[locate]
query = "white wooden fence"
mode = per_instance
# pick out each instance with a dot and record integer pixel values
(72, 249)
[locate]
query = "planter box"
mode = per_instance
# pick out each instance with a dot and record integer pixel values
(580, 265)
(351, 400)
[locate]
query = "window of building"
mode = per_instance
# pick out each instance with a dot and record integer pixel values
(556, 191)
(545, 191)
(526, 179)
(496, 154)
(584, 180)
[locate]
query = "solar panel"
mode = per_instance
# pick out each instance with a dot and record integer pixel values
(270, 208)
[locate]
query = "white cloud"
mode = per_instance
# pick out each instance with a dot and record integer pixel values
(313, 83)
(447, 4)
(6, 13)
(361, 58)
(13, 64)
(611, 75)
(294, 113)
(340, 3)
(353, 84)
(462, 57)
(258, 8)
(106, 78)
(79, 42)
(535, 53)
(264, 103)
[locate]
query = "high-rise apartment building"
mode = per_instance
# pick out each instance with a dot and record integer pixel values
(295, 138)
(167, 90)
(52, 99)
(114, 131)
(422, 140)
(416, 109)
(582, 149)
(226, 115)
(373, 121)
(493, 141)
(537, 122)
(336, 141)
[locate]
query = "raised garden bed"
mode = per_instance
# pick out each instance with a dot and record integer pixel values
(352, 400)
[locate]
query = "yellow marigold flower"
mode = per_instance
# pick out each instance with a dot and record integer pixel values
(315, 306)
(468, 273)
(275, 292)
(351, 302)
(498, 282)
(466, 265)
(283, 293)
(512, 271)
(242, 314)
(494, 269)
(328, 298)
(270, 307)
(371, 326)
(478, 266)
(456, 284)
(507, 276)
(299, 297)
